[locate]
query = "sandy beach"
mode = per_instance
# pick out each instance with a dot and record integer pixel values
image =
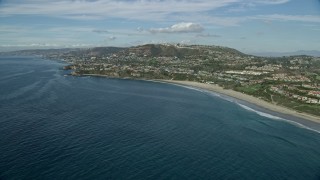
(247, 98)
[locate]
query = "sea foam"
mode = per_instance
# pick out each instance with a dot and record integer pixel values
(259, 112)
(277, 118)
(250, 109)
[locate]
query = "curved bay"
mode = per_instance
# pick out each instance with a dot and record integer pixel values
(57, 127)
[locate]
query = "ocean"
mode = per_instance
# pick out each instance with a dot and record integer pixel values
(54, 126)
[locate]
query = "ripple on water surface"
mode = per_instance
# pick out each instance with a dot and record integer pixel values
(57, 127)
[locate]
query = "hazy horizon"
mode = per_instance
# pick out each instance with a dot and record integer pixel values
(315, 53)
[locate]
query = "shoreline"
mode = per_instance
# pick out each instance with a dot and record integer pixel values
(246, 98)
(284, 112)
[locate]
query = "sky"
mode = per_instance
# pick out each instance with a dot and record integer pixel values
(247, 25)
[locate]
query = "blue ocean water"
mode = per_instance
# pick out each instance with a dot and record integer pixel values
(62, 127)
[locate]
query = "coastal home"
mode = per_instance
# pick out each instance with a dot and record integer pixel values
(312, 101)
(314, 93)
(295, 96)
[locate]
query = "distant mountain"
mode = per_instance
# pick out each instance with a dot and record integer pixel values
(168, 50)
(96, 51)
(38, 52)
(153, 50)
(296, 53)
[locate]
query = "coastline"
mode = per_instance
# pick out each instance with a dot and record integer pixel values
(299, 117)
(246, 98)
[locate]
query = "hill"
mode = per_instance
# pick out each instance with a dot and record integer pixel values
(180, 51)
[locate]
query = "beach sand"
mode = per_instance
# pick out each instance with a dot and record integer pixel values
(246, 98)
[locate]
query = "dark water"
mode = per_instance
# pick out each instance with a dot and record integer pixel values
(58, 127)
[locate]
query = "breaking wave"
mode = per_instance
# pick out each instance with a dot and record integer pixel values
(277, 118)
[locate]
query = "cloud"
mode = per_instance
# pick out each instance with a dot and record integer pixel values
(271, 1)
(208, 35)
(246, 5)
(100, 31)
(268, 19)
(145, 10)
(284, 17)
(179, 28)
(103, 9)
(140, 29)
(112, 38)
